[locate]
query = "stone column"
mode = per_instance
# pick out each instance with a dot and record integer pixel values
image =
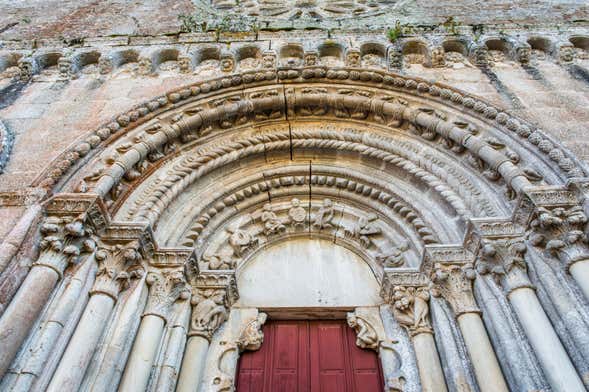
(109, 371)
(64, 239)
(43, 346)
(453, 281)
(175, 348)
(411, 309)
(117, 264)
(560, 231)
(212, 295)
(165, 288)
(505, 259)
(16, 236)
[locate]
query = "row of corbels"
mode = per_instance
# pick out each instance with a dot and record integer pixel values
(70, 62)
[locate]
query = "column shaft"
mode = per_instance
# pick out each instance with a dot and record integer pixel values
(428, 362)
(109, 371)
(44, 344)
(23, 311)
(486, 367)
(77, 356)
(172, 357)
(557, 366)
(14, 239)
(145, 348)
(193, 364)
(580, 272)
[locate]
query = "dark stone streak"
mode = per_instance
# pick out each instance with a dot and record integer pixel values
(501, 88)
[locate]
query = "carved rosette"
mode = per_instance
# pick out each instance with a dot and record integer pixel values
(212, 296)
(118, 264)
(560, 231)
(454, 282)
(63, 240)
(165, 288)
(504, 259)
(411, 309)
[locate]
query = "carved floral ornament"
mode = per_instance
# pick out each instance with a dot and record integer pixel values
(566, 162)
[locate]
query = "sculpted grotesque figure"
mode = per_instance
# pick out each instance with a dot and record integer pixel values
(366, 336)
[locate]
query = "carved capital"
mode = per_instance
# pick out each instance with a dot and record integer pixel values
(560, 231)
(63, 240)
(252, 337)
(117, 265)
(411, 309)
(454, 282)
(165, 288)
(504, 260)
(213, 294)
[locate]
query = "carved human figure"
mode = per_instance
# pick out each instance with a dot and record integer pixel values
(272, 224)
(297, 214)
(366, 336)
(411, 308)
(324, 216)
(364, 229)
(209, 312)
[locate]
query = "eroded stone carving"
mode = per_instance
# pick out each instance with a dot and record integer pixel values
(297, 214)
(252, 337)
(208, 312)
(118, 264)
(365, 229)
(394, 257)
(63, 240)
(504, 259)
(366, 336)
(165, 288)
(454, 282)
(561, 232)
(272, 224)
(411, 309)
(323, 218)
(212, 296)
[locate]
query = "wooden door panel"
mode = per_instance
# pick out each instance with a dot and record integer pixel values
(309, 356)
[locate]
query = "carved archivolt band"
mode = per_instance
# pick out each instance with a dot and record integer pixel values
(566, 162)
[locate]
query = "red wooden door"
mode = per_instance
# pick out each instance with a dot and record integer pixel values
(309, 356)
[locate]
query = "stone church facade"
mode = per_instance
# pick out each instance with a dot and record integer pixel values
(177, 177)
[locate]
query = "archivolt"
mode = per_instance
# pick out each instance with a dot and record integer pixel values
(210, 122)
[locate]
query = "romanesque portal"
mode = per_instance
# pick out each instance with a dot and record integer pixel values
(296, 218)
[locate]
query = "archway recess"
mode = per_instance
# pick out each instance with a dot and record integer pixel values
(415, 188)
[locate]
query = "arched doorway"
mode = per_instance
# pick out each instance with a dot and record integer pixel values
(437, 192)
